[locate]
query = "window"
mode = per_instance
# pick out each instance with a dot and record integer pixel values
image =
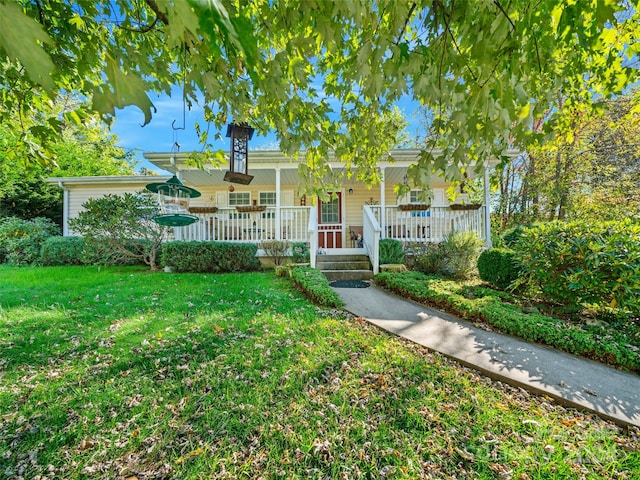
(239, 198)
(267, 198)
(330, 212)
(418, 196)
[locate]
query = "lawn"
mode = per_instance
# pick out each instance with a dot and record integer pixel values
(123, 373)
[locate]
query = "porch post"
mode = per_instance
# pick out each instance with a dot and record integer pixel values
(487, 209)
(278, 213)
(383, 216)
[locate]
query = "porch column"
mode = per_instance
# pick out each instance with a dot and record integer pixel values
(278, 213)
(487, 209)
(382, 205)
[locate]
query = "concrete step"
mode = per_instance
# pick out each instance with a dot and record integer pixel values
(333, 275)
(342, 258)
(345, 265)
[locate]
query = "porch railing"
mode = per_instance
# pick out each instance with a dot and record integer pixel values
(227, 224)
(430, 225)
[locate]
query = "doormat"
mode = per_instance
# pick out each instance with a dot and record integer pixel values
(350, 284)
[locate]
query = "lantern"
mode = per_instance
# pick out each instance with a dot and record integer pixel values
(239, 155)
(173, 199)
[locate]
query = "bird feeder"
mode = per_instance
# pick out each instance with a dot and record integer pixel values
(173, 199)
(239, 155)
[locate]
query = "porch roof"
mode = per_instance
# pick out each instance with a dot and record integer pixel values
(264, 163)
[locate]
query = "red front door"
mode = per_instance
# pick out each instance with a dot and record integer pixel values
(330, 222)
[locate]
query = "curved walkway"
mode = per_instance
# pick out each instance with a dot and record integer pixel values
(572, 381)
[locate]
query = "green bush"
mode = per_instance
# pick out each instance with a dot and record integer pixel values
(276, 250)
(430, 260)
(210, 257)
(460, 251)
(21, 240)
(315, 286)
(499, 267)
(580, 264)
(63, 251)
(124, 252)
(300, 253)
(500, 310)
(391, 251)
(513, 235)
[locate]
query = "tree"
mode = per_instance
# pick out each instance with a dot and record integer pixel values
(322, 74)
(84, 150)
(591, 169)
(121, 227)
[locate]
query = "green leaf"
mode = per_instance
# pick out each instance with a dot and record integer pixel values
(127, 90)
(21, 39)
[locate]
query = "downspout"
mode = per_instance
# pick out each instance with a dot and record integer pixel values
(487, 210)
(65, 209)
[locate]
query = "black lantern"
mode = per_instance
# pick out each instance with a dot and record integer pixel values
(239, 156)
(173, 199)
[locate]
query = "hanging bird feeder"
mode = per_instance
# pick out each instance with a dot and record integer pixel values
(173, 199)
(239, 155)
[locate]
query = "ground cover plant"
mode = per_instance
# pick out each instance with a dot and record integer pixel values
(615, 342)
(126, 373)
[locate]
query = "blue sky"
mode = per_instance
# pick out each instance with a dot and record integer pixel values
(159, 136)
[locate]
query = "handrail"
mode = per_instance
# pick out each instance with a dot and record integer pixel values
(313, 236)
(371, 231)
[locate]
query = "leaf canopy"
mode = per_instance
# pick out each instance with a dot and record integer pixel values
(323, 75)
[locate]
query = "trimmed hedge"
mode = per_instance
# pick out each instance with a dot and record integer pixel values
(497, 309)
(315, 287)
(210, 257)
(499, 267)
(581, 264)
(63, 251)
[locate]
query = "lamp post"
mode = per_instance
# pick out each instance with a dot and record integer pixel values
(240, 134)
(173, 200)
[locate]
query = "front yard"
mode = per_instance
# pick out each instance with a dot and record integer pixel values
(122, 373)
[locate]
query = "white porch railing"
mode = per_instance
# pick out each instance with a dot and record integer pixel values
(430, 225)
(371, 237)
(312, 229)
(227, 224)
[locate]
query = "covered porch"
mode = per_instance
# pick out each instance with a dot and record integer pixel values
(357, 216)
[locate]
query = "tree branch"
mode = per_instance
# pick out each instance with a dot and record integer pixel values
(497, 4)
(159, 14)
(406, 22)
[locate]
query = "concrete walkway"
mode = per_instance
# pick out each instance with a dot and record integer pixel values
(570, 380)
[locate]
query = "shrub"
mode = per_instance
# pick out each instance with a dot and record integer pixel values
(121, 228)
(431, 260)
(210, 257)
(513, 235)
(577, 263)
(63, 251)
(498, 266)
(460, 251)
(276, 249)
(21, 240)
(316, 287)
(125, 252)
(391, 251)
(300, 253)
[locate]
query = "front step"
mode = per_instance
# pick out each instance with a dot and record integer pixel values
(344, 267)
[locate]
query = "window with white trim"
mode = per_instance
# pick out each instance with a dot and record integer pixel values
(267, 198)
(239, 199)
(415, 196)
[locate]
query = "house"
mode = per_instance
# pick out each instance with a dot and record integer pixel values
(270, 208)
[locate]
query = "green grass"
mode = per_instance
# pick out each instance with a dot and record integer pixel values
(118, 373)
(615, 342)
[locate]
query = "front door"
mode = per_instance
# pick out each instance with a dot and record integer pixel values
(330, 222)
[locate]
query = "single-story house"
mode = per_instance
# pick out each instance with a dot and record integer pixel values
(269, 208)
